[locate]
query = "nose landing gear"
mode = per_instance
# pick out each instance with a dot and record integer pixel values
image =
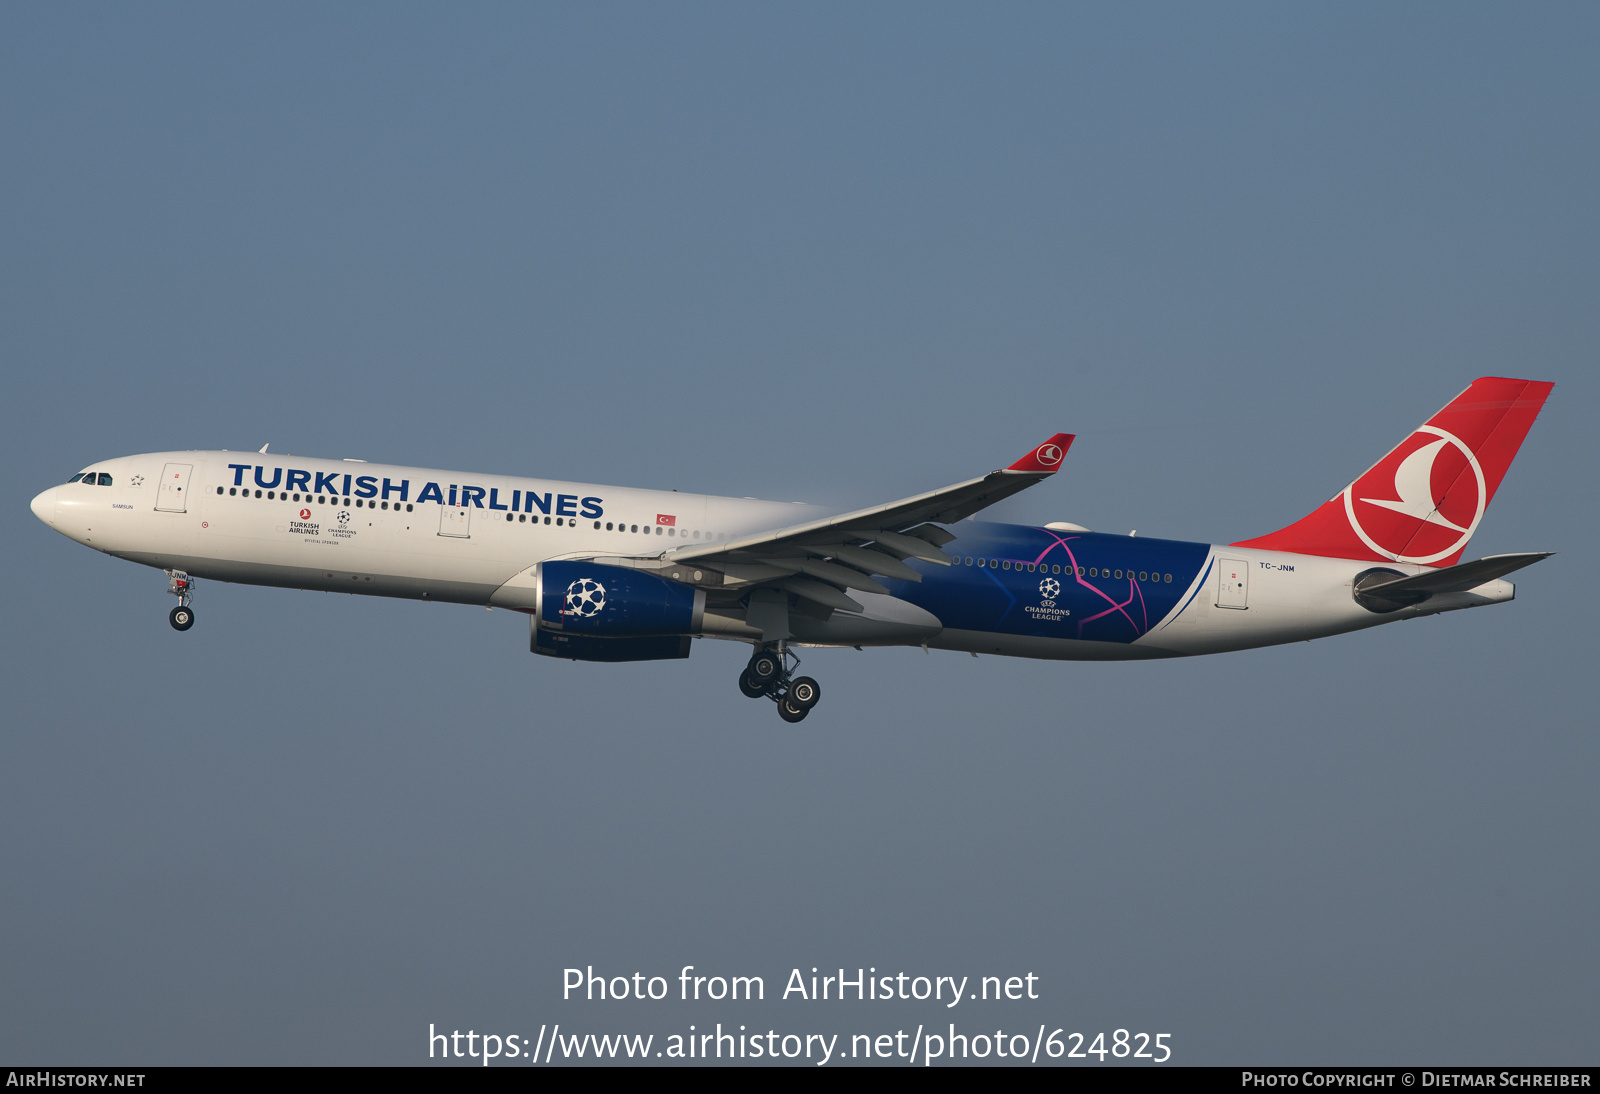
(181, 585)
(770, 674)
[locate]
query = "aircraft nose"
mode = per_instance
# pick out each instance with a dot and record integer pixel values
(44, 506)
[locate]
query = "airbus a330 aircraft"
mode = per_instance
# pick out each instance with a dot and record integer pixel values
(613, 574)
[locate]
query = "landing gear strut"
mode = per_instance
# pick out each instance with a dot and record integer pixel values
(771, 674)
(181, 585)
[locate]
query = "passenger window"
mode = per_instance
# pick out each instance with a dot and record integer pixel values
(969, 560)
(1166, 577)
(219, 489)
(1143, 576)
(1118, 574)
(1093, 572)
(508, 518)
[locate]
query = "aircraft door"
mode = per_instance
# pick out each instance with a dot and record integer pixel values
(1233, 583)
(174, 487)
(455, 521)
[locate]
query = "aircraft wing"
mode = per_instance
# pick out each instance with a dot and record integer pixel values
(820, 559)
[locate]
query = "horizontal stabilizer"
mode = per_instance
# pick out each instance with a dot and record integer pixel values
(1454, 579)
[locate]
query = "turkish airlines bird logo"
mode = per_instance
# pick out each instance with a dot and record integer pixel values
(1421, 502)
(1048, 454)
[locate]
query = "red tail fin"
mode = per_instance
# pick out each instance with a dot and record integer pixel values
(1422, 502)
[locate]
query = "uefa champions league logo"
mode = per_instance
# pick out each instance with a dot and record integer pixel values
(585, 598)
(1046, 611)
(344, 516)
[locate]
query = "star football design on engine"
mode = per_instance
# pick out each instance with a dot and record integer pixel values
(585, 598)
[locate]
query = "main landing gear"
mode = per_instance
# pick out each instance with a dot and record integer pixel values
(770, 674)
(181, 585)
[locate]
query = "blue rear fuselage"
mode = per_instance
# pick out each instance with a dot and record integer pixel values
(1037, 582)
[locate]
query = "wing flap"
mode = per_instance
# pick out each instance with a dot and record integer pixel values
(819, 592)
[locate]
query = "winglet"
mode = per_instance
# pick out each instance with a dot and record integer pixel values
(1047, 458)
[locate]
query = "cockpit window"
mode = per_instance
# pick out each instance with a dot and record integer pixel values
(105, 479)
(76, 477)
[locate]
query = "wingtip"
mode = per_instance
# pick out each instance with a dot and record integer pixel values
(1045, 458)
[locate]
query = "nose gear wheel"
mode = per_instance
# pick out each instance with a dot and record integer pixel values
(181, 585)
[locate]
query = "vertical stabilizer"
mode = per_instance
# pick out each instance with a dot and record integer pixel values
(1422, 501)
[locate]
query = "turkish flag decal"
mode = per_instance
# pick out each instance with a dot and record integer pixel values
(666, 520)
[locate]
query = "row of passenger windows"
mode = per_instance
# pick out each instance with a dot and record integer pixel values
(90, 478)
(1092, 571)
(613, 526)
(283, 495)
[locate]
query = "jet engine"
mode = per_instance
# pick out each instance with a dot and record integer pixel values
(590, 612)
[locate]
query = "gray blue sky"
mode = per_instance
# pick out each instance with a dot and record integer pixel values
(831, 253)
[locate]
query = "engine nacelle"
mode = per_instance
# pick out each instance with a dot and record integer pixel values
(590, 612)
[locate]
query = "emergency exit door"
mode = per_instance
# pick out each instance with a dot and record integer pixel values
(174, 487)
(455, 521)
(1233, 583)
